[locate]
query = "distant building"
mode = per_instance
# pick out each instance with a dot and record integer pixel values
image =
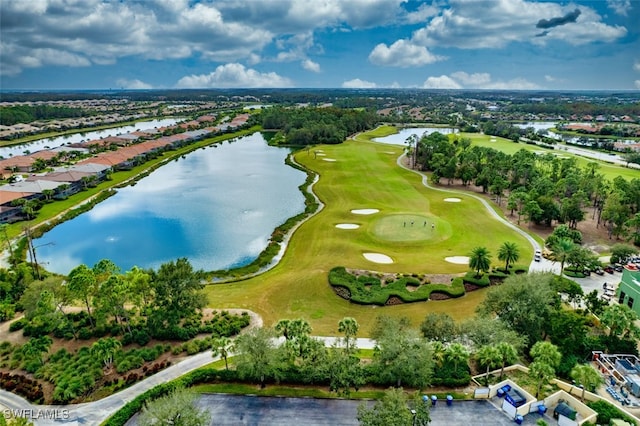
(629, 289)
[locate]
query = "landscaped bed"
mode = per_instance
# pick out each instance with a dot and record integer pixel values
(376, 288)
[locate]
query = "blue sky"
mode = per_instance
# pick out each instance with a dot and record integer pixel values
(461, 44)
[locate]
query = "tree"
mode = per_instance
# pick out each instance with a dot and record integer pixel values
(509, 253)
(177, 294)
(106, 349)
(296, 333)
(508, 355)
(36, 347)
(257, 357)
(620, 253)
(561, 250)
(393, 410)
(620, 319)
(222, 346)
(480, 260)
(82, 284)
(490, 357)
(400, 355)
(457, 354)
(483, 331)
(586, 377)
(546, 352)
(349, 327)
(344, 371)
(439, 326)
(523, 303)
(541, 373)
(178, 409)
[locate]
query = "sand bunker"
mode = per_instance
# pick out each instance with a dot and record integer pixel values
(452, 200)
(377, 258)
(365, 211)
(320, 154)
(329, 159)
(347, 226)
(460, 260)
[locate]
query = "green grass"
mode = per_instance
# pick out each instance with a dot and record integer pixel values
(609, 170)
(365, 175)
(283, 391)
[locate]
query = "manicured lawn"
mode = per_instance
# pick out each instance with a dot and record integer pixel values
(365, 175)
(609, 170)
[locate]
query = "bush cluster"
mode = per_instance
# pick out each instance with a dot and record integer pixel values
(22, 385)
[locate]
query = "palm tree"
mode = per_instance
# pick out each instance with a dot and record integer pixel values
(456, 353)
(438, 352)
(480, 260)
(546, 352)
(490, 357)
(106, 349)
(560, 251)
(542, 373)
(508, 355)
(222, 346)
(587, 377)
(36, 346)
(509, 253)
(349, 326)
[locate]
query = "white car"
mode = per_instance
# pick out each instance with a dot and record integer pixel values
(537, 256)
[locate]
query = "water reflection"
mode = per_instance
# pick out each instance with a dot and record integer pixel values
(217, 207)
(402, 135)
(47, 143)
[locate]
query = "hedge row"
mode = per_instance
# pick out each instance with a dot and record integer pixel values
(368, 290)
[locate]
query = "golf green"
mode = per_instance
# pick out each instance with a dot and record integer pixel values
(411, 227)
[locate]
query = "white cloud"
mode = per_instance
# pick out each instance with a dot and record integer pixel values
(636, 66)
(463, 80)
(549, 78)
(637, 83)
(473, 24)
(442, 82)
(134, 84)
(234, 75)
(423, 12)
(403, 54)
(356, 83)
(621, 7)
(472, 80)
(309, 65)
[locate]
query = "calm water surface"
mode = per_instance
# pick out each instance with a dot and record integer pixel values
(217, 206)
(41, 144)
(402, 135)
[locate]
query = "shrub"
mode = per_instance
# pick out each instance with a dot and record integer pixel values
(18, 324)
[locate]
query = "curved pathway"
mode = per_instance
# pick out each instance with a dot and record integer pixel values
(492, 212)
(96, 412)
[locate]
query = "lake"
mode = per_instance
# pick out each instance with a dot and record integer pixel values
(215, 206)
(57, 141)
(402, 135)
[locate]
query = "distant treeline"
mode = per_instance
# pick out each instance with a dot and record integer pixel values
(28, 114)
(592, 107)
(307, 126)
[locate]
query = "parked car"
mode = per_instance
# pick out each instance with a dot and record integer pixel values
(537, 256)
(609, 269)
(618, 267)
(599, 271)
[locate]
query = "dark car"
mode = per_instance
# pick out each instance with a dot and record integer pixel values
(609, 269)
(617, 267)
(599, 271)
